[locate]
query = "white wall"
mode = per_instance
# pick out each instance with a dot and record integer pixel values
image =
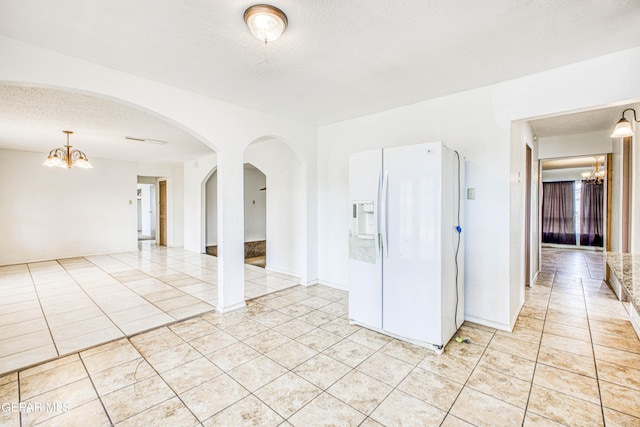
(286, 212)
(211, 210)
(576, 145)
(50, 213)
(255, 205)
(477, 122)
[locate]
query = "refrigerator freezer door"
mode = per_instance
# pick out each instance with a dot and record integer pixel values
(412, 301)
(365, 262)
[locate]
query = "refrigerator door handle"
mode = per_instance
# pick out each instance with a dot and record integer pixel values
(383, 211)
(378, 229)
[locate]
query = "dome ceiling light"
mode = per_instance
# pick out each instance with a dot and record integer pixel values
(266, 22)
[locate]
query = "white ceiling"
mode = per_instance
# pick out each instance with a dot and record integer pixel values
(33, 118)
(337, 59)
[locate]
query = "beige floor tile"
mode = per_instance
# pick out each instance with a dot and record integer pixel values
(88, 340)
(615, 418)
(244, 329)
(568, 361)
(469, 352)
(340, 327)
(524, 349)
(563, 408)
(360, 391)
(326, 410)
(385, 368)
(231, 356)
(580, 386)
(191, 374)
(135, 398)
(570, 345)
(504, 387)
(291, 354)
(604, 339)
(294, 328)
(534, 420)
(454, 368)
(72, 395)
(213, 396)
(405, 351)
(401, 409)
(619, 357)
(169, 413)
(27, 357)
(257, 373)
(155, 341)
(530, 322)
(246, 412)
(508, 364)
(318, 339)
(482, 410)
(349, 352)
(475, 335)
(431, 388)
(568, 320)
(49, 379)
(619, 374)
(317, 318)
(116, 355)
(272, 319)
(173, 357)
(567, 331)
(322, 370)
(122, 375)
(265, 341)
(522, 333)
(453, 421)
(88, 414)
(369, 338)
(287, 394)
(619, 398)
(191, 329)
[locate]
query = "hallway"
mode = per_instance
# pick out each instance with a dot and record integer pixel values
(572, 359)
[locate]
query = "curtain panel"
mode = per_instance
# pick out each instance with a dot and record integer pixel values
(591, 214)
(558, 225)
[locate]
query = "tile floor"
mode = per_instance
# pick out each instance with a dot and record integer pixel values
(54, 308)
(291, 358)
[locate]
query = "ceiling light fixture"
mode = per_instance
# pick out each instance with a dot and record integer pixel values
(596, 176)
(266, 22)
(66, 157)
(623, 127)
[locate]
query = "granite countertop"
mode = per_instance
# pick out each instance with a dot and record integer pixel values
(626, 267)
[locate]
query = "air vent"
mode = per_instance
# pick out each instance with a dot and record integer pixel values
(150, 141)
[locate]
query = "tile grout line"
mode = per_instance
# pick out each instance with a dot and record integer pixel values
(35, 288)
(104, 408)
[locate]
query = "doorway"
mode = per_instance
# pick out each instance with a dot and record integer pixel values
(146, 211)
(162, 208)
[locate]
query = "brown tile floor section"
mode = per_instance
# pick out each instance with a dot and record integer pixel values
(572, 360)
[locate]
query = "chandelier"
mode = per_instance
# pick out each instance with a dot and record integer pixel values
(66, 157)
(596, 176)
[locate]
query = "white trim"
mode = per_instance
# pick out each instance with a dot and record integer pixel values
(489, 323)
(231, 307)
(634, 317)
(332, 285)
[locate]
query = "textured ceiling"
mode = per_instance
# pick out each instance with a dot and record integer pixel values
(32, 119)
(581, 122)
(338, 59)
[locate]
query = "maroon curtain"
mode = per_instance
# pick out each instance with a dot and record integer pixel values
(558, 212)
(591, 212)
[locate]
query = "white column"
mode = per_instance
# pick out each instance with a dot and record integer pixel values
(230, 230)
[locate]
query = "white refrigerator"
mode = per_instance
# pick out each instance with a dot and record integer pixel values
(406, 257)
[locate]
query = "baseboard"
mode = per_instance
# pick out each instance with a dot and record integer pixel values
(231, 307)
(489, 323)
(333, 285)
(282, 271)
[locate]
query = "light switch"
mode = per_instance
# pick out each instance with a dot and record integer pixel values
(471, 193)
